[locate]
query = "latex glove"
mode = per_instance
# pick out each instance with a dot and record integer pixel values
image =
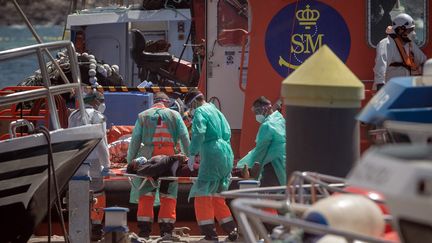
(105, 171)
(140, 160)
(191, 162)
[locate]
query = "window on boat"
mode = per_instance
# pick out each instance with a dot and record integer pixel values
(232, 22)
(380, 13)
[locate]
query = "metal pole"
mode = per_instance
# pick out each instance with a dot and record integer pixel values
(51, 101)
(77, 78)
(39, 40)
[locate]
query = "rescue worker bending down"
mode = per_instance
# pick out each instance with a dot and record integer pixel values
(211, 135)
(267, 159)
(157, 131)
(397, 54)
(98, 158)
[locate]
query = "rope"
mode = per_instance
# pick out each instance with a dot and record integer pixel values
(61, 107)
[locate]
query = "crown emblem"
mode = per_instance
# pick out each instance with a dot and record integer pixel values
(307, 17)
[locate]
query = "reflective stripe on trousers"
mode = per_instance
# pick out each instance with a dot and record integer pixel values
(167, 211)
(209, 207)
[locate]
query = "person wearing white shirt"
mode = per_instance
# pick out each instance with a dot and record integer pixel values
(397, 54)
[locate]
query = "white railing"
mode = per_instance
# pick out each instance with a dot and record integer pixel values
(47, 91)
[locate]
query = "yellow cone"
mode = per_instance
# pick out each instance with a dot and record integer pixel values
(323, 80)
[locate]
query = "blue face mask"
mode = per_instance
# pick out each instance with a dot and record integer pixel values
(260, 118)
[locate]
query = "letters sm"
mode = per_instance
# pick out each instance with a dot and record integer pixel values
(294, 34)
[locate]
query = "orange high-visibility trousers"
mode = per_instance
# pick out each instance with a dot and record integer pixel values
(97, 209)
(167, 211)
(145, 208)
(209, 207)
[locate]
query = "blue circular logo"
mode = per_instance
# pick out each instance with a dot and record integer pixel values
(300, 29)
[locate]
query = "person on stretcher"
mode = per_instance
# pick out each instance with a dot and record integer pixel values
(157, 166)
(176, 165)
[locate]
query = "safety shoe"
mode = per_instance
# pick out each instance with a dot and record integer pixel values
(144, 235)
(233, 236)
(96, 232)
(145, 229)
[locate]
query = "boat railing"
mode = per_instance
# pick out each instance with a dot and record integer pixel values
(47, 91)
(250, 207)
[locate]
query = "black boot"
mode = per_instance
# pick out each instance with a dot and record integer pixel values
(209, 232)
(96, 232)
(230, 228)
(166, 228)
(145, 229)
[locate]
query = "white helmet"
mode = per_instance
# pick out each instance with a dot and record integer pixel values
(403, 20)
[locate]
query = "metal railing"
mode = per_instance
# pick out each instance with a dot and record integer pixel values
(303, 189)
(47, 91)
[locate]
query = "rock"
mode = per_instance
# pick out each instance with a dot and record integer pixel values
(39, 12)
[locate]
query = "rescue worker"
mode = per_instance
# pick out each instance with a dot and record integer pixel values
(98, 158)
(267, 159)
(211, 140)
(157, 131)
(398, 54)
(269, 152)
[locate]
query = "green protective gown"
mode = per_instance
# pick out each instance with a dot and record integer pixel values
(270, 147)
(141, 142)
(211, 135)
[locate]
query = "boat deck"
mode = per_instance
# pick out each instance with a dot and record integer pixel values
(154, 239)
(194, 233)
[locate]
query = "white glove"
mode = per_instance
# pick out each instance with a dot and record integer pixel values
(191, 162)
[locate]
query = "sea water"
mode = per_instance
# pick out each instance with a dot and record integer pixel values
(13, 71)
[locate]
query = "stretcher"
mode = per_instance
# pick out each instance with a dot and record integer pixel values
(121, 173)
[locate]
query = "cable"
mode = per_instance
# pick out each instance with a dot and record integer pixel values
(65, 25)
(183, 50)
(170, 7)
(292, 32)
(51, 173)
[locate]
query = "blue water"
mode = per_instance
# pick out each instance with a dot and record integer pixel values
(11, 72)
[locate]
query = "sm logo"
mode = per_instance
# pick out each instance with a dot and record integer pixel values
(294, 34)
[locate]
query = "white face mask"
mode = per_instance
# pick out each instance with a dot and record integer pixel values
(412, 35)
(260, 118)
(101, 107)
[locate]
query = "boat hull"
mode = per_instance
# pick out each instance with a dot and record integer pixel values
(24, 176)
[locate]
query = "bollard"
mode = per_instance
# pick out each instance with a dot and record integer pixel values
(322, 98)
(116, 229)
(79, 205)
(245, 184)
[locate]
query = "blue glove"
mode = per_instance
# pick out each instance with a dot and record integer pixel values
(191, 162)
